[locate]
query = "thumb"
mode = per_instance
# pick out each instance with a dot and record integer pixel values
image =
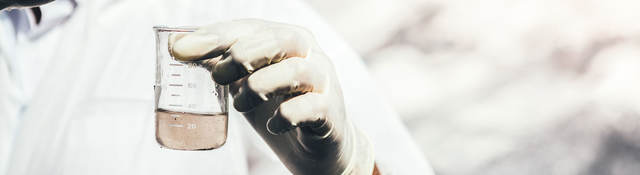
(210, 41)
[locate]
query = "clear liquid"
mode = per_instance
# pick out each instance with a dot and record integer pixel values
(188, 131)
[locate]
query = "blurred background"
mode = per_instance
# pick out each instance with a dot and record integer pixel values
(506, 87)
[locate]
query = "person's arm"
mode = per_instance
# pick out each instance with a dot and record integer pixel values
(287, 88)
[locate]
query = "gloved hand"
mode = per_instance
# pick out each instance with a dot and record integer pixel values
(286, 87)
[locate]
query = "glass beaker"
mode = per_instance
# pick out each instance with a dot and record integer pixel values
(191, 109)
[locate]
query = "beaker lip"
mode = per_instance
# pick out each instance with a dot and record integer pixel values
(163, 28)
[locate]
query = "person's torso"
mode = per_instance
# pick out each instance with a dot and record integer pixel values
(92, 109)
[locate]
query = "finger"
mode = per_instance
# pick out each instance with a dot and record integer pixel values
(305, 111)
(209, 41)
(287, 78)
(269, 45)
(226, 71)
(197, 45)
(235, 86)
(251, 45)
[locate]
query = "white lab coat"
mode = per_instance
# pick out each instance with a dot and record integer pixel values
(88, 94)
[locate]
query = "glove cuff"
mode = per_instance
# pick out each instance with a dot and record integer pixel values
(361, 155)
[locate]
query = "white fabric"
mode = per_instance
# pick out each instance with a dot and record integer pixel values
(90, 110)
(11, 100)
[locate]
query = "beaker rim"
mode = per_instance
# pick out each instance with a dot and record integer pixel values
(163, 28)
